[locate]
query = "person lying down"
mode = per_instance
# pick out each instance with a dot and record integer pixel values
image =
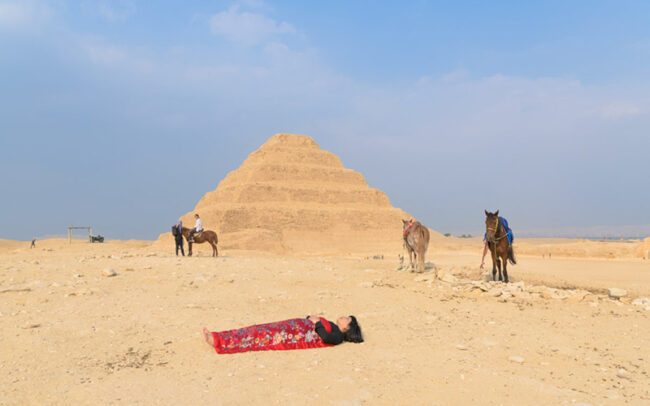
(292, 334)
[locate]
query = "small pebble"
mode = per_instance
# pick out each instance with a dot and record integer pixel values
(622, 373)
(109, 272)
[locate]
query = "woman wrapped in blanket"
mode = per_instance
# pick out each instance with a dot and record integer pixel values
(292, 334)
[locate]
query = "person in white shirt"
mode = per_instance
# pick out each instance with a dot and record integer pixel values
(198, 227)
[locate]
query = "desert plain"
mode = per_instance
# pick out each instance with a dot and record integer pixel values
(75, 333)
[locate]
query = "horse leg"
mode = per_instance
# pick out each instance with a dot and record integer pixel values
(421, 267)
(189, 249)
(411, 258)
(504, 260)
(215, 253)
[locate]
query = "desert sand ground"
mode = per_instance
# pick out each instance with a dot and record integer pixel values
(71, 336)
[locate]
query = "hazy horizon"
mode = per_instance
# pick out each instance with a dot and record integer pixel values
(121, 115)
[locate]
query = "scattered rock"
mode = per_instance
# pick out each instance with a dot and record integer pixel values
(641, 301)
(559, 295)
(536, 289)
(622, 373)
(480, 285)
(108, 272)
(15, 289)
(495, 292)
(616, 293)
(578, 296)
(514, 358)
(31, 325)
(461, 347)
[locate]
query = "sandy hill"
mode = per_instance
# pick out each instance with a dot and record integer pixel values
(290, 196)
(643, 251)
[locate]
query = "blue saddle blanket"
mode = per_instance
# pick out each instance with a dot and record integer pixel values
(503, 221)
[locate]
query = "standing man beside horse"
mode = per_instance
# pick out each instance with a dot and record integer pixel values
(416, 241)
(177, 232)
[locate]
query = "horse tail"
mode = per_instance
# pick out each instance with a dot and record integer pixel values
(425, 237)
(511, 256)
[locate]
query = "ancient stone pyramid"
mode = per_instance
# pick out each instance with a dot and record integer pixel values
(290, 196)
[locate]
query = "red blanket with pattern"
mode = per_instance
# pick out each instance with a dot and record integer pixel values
(293, 334)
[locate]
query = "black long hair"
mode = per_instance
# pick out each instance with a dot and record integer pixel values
(353, 334)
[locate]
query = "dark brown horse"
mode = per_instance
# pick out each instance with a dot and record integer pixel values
(416, 241)
(496, 238)
(208, 236)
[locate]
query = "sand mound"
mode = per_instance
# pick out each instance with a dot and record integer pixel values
(644, 249)
(290, 196)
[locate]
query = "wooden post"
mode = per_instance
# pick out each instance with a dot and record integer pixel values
(90, 232)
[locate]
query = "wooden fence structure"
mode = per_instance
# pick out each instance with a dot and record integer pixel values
(90, 232)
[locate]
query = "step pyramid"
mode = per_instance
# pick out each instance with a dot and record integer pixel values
(291, 196)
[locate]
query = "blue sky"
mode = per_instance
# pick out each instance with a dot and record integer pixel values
(122, 114)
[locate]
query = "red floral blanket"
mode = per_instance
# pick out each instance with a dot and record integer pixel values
(293, 334)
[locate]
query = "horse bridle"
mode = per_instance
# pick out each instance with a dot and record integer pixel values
(496, 230)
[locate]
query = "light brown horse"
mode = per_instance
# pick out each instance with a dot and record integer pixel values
(496, 238)
(208, 236)
(416, 241)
